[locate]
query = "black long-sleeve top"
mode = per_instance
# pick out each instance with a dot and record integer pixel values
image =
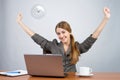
(56, 47)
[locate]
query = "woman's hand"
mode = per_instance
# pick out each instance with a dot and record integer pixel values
(107, 12)
(19, 18)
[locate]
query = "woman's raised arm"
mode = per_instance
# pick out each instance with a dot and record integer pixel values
(97, 32)
(24, 27)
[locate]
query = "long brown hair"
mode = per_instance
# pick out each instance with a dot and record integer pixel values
(75, 53)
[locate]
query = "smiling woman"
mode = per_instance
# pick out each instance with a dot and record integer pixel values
(67, 47)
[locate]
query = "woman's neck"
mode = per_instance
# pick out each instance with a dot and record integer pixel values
(67, 43)
(66, 46)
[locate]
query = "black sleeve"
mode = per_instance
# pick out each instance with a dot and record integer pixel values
(44, 43)
(86, 44)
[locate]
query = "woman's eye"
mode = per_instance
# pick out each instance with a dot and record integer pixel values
(58, 33)
(63, 32)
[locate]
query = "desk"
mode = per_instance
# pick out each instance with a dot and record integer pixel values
(71, 76)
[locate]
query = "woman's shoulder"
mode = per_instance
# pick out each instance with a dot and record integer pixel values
(55, 41)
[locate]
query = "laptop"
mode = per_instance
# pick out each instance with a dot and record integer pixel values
(49, 65)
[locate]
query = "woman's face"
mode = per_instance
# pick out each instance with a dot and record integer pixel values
(63, 35)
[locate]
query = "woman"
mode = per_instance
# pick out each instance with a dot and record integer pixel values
(67, 47)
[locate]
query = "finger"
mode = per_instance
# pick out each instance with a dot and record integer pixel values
(106, 10)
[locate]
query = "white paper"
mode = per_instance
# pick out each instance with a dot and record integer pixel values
(14, 73)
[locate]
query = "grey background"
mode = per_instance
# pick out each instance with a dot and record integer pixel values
(83, 15)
